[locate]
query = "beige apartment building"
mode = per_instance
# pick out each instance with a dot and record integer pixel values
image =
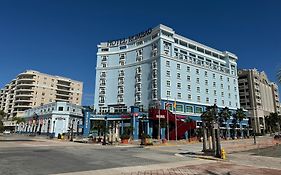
(257, 95)
(32, 88)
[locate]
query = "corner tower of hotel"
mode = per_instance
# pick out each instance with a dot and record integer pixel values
(159, 66)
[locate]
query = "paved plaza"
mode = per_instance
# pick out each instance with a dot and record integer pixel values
(23, 155)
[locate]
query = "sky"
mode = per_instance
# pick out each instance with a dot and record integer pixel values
(60, 37)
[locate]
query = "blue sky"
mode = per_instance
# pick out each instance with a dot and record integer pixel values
(60, 37)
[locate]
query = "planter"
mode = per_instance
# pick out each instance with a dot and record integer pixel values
(125, 141)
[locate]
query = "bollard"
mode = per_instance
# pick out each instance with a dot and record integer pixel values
(223, 154)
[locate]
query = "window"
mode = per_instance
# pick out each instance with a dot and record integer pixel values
(168, 63)
(179, 108)
(206, 74)
(221, 78)
(228, 87)
(178, 76)
(198, 109)
(60, 108)
(168, 83)
(229, 103)
(179, 85)
(229, 95)
(188, 78)
(197, 80)
(189, 108)
(215, 92)
(188, 87)
(188, 69)
(227, 79)
(178, 66)
(198, 89)
(207, 100)
(222, 94)
(189, 97)
(179, 95)
(206, 82)
(216, 100)
(222, 102)
(207, 91)
(214, 76)
(221, 86)
(197, 71)
(198, 98)
(168, 73)
(214, 84)
(168, 93)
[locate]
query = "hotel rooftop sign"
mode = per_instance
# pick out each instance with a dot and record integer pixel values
(124, 41)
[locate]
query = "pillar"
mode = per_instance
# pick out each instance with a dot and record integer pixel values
(135, 127)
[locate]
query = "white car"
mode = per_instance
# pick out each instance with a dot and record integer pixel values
(7, 132)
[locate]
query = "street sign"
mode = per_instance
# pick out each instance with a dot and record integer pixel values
(160, 116)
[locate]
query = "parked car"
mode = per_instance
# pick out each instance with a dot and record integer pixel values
(7, 132)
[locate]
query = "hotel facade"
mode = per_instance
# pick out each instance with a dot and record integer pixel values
(259, 96)
(32, 89)
(158, 66)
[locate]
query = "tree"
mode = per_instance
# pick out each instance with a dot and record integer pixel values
(19, 120)
(224, 115)
(208, 118)
(238, 117)
(272, 122)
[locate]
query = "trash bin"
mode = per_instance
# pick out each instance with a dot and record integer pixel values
(59, 136)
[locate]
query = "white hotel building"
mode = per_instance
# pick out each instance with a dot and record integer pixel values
(159, 65)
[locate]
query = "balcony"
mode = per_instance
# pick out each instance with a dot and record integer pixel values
(25, 84)
(24, 100)
(24, 90)
(63, 83)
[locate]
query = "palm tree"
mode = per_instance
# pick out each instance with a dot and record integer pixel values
(272, 122)
(224, 115)
(239, 117)
(208, 118)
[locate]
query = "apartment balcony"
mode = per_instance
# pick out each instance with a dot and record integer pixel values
(25, 84)
(23, 100)
(24, 90)
(63, 83)
(24, 95)
(22, 106)
(62, 100)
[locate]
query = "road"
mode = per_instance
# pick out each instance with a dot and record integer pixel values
(23, 155)
(26, 156)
